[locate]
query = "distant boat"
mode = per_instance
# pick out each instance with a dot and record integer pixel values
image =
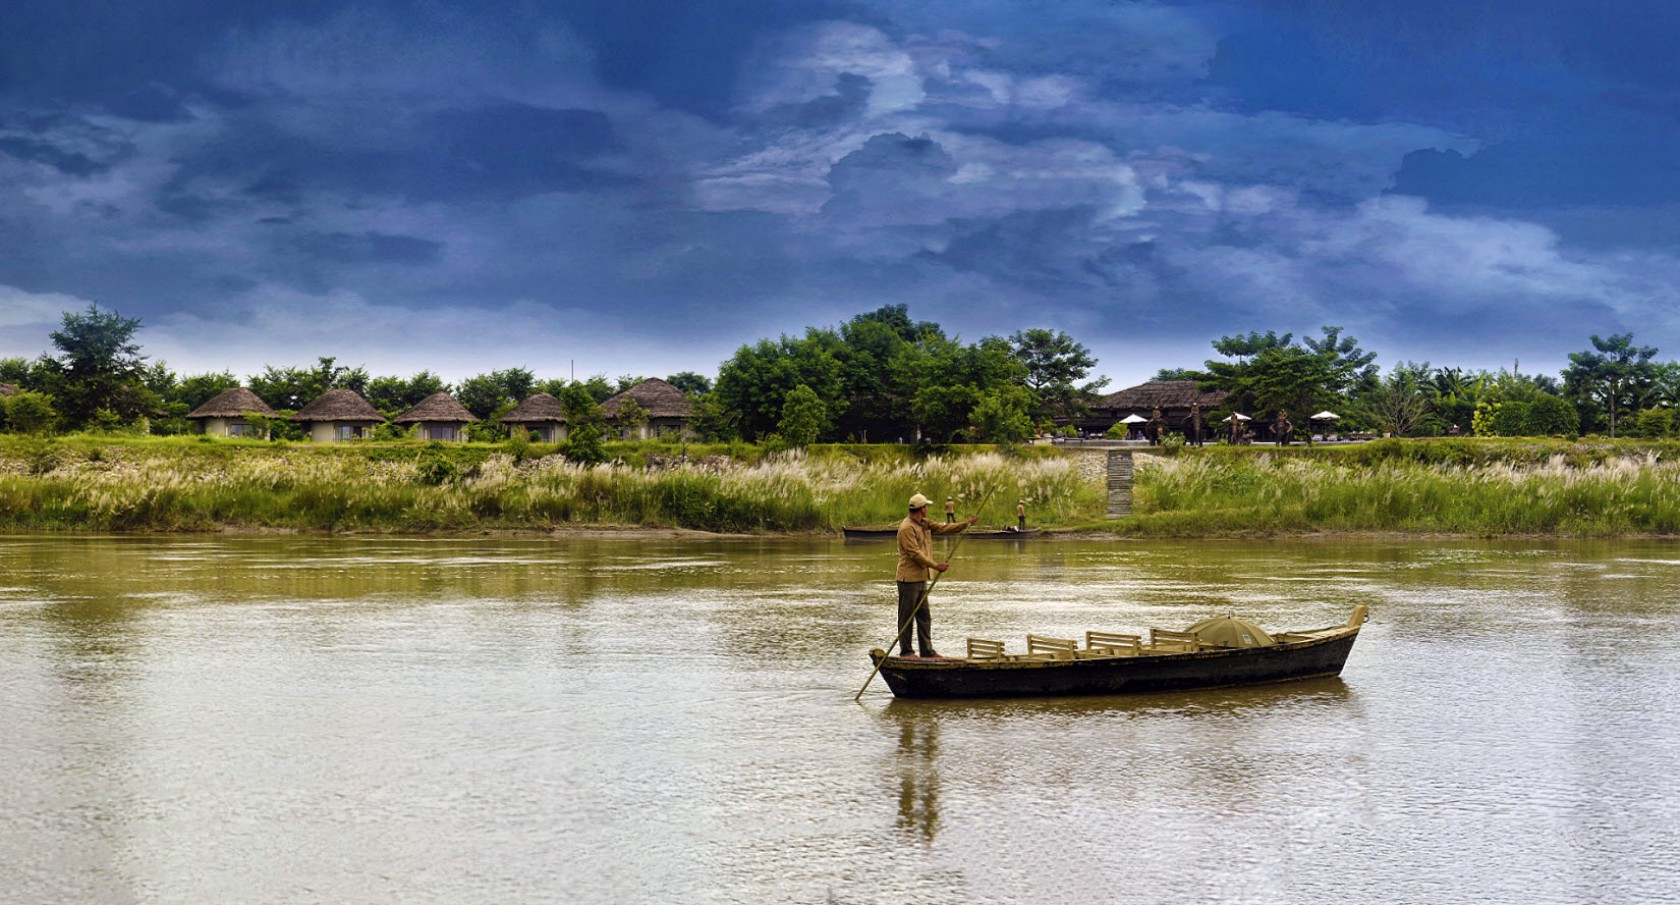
(993, 533)
(1215, 653)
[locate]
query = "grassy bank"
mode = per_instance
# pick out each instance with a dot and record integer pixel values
(1472, 487)
(1461, 486)
(97, 484)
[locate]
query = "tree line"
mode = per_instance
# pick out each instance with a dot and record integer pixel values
(883, 377)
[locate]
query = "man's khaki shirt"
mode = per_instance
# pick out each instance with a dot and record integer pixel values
(915, 546)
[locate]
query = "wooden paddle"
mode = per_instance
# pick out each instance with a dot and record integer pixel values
(919, 601)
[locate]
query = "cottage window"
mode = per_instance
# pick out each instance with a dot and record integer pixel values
(348, 432)
(437, 432)
(241, 429)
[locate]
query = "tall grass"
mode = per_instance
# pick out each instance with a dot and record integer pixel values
(1631, 493)
(190, 487)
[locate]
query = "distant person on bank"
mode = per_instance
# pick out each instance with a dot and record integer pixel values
(915, 566)
(950, 511)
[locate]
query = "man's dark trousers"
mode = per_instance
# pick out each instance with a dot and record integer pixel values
(909, 593)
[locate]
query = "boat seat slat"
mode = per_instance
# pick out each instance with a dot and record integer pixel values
(1111, 644)
(1167, 640)
(1053, 648)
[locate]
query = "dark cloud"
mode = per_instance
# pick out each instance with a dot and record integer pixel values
(69, 163)
(695, 175)
(368, 248)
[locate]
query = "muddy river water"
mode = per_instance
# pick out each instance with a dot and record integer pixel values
(631, 719)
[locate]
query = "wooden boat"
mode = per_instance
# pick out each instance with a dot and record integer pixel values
(991, 533)
(1113, 663)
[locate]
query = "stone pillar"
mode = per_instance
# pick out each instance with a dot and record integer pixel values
(1119, 483)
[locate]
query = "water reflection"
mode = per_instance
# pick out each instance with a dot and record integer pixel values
(918, 778)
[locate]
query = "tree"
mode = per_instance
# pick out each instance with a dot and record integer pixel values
(1611, 373)
(99, 366)
(804, 417)
(1177, 374)
(486, 394)
(293, 388)
(1289, 378)
(753, 384)
(1001, 415)
(630, 418)
(691, 383)
(583, 425)
(394, 395)
(1054, 363)
(1398, 404)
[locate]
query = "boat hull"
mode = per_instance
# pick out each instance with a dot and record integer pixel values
(911, 678)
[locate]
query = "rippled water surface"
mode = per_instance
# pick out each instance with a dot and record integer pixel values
(633, 720)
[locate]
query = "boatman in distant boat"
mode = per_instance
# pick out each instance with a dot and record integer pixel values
(950, 510)
(915, 565)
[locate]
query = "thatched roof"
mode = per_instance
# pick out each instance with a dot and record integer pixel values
(541, 408)
(1161, 394)
(338, 405)
(7, 389)
(659, 398)
(232, 404)
(439, 407)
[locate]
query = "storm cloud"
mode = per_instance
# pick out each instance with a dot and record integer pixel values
(643, 187)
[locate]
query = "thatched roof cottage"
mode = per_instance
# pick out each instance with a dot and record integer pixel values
(225, 414)
(1172, 397)
(541, 416)
(339, 415)
(440, 417)
(669, 411)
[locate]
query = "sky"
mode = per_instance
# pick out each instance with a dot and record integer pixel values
(642, 186)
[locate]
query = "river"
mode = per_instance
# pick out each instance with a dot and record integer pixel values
(633, 719)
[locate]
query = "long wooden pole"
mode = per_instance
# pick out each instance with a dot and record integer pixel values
(920, 600)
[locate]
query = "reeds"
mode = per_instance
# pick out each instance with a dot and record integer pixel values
(1630, 493)
(188, 487)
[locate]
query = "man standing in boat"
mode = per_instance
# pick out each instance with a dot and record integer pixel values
(915, 566)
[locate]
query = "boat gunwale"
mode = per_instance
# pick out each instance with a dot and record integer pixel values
(918, 664)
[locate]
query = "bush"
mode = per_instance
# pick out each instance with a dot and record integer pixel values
(31, 413)
(435, 467)
(1654, 423)
(1551, 416)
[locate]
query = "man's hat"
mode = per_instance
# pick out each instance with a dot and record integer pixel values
(918, 502)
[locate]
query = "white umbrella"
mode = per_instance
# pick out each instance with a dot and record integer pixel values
(1133, 419)
(1326, 416)
(1240, 417)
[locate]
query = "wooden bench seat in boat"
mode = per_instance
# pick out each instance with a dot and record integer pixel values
(982, 649)
(1046, 647)
(1111, 644)
(1166, 640)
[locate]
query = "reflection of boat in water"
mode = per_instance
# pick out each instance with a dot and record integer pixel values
(991, 533)
(1213, 653)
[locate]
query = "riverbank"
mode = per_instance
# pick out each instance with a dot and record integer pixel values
(84, 484)
(1459, 487)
